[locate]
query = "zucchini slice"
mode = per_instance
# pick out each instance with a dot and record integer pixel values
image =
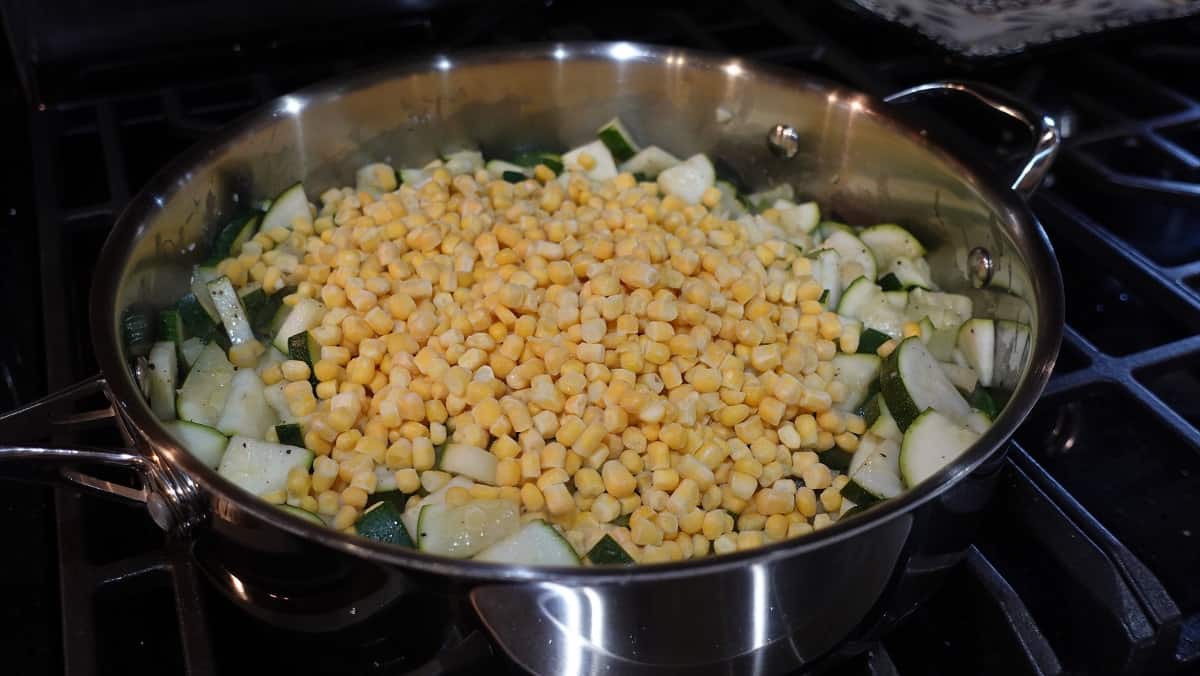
(798, 218)
(303, 316)
(604, 167)
(939, 341)
(381, 521)
(231, 238)
(536, 544)
(825, 264)
(977, 342)
(246, 411)
(910, 273)
(202, 441)
(529, 160)
(689, 179)
(884, 425)
(945, 310)
(260, 466)
(650, 162)
(202, 396)
(376, 179)
(196, 317)
(464, 162)
(856, 259)
(164, 367)
(763, 199)
(931, 442)
(964, 377)
(608, 551)
(507, 171)
(870, 340)
(170, 327)
(464, 531)
(617, 139)
(859, 373)
(190, 350)
(290, 433)
(865, 301)
(289, 205)
(874, 471)
(889, 242)
(229, 307)
(913, 381)
(412, 513)
(471, 461)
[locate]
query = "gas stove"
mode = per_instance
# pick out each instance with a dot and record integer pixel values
(1089, 557)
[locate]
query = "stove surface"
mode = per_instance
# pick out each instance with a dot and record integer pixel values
(1089, 558)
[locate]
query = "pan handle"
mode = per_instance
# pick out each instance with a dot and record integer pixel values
(53, 417)
(1046, 137)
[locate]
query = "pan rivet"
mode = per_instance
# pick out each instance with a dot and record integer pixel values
(160, 511)
(980, 263)
(784, 141)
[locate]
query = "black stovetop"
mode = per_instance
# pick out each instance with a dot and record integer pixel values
(1089, 558)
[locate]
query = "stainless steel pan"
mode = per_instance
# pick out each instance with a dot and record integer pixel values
(785, 605)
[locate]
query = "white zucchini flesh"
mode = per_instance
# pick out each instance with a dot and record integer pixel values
(865, 301)
(246, 411)
(471, 461)
(376, 179)
(498, 168)
(939, 341)
(229, 307)
(261, 466)
(889, 242)
(963, 377)
(164, 365)
(977, 342)
(650, 162)
(798, 218)
(875, 467)
(604, 168)
(278, 402)
(305, 314)
(897, 299)
(464, 162)
(202, 396)
(1012, 347)
(825, 269)
(885, 425)
(978, 421)
(930, 443)
(412, 513)
(856, 259)
(945, 310)
(913, 381)
(291, 204)
(415, 178)
(465, 530)
(858, 372)
(536, 544)
(201, 276)
(761, 200)
(190, 350)
(689, 179)
(911, 272)
(202, 441)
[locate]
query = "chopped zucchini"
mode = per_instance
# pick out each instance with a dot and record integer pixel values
(202, 396)
(246, 411)
(231, 238)
(302, 514)
(164, 368)
(304, 315)
(465, 530)
(608, 551)
(195, 316)
(603, 167)
(618, 140)
(858, 372)
(290, 433)
(229, 307)
(650, 162)
(763, 199)
(931, 442)
(202, 441)
(977, 343)
(376, 179)
(289, 205)
(913, 381)
(855, 258)
(870, 340)
(381, 521)
(260, 466)
(536, 544)
(530, 160)
(470, 461)
(137, 332)
(689, 179)
(889, 241)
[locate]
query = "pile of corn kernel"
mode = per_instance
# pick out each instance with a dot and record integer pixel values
(628, 358)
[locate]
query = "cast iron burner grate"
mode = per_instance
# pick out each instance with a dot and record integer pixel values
(1087, 561)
